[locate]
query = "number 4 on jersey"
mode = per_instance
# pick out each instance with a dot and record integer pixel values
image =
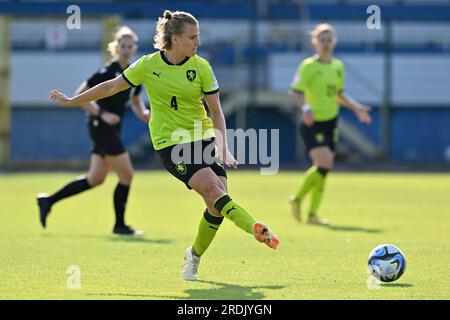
(173, 103)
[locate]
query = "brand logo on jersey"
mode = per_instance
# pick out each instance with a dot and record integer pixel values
(118, 74)
(320, 138)
(181, 168)
(191, 75)
(156, 74)
(232, 208)
(220, 165)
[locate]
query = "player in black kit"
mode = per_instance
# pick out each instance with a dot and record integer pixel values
(104, 126)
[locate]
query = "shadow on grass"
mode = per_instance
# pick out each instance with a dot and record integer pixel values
(115, 238)
(397, 285)
(352, 229)
(228, 291)
(140, 239)
(223, 291)
(130, 295)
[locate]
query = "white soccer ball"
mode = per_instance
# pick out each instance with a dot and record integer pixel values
(387, 263)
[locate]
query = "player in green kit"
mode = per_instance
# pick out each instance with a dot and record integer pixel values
(176, 80)
(318, 88)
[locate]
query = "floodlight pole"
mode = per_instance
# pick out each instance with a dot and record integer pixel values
(252, 71)
(385, 110)
(5, 108)
(110, 24)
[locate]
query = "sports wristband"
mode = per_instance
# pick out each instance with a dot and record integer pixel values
(306, 108)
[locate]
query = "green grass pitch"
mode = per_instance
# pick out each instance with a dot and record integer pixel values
(411, 211)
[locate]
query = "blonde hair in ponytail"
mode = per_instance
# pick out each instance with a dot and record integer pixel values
(171, 23)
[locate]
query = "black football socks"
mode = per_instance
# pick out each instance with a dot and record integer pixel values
(120, 202)
(77, 186)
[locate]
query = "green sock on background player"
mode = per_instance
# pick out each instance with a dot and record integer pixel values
(231, 210)
(316, 196)
(207, 230)
(312, 177)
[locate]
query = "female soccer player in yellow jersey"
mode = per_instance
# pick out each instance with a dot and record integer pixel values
(176, 80)
(318, 89)
(104, 125)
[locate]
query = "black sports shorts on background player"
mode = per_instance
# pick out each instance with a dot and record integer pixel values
(184, 171)
(321, 133)
(106, 139)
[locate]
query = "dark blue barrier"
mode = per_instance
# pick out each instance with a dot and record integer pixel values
(59, 133)
(418, 135)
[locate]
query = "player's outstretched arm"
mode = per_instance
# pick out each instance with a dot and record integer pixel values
(100, 91)
(90, 107)
(94, 109)
(361, 110)
(213, 102)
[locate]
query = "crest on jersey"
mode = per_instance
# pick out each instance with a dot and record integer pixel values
(181, 168)
(191, 75)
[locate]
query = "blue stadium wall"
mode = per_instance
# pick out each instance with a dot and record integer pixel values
(418, 135)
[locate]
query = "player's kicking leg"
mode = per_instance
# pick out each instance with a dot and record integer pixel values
(214, 192)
